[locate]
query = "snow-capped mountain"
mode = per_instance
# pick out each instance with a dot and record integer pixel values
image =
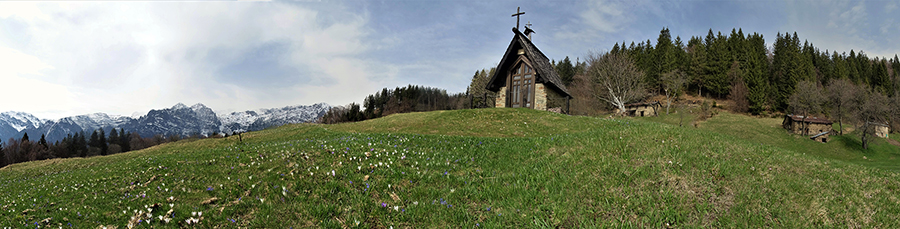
(177, 120)
(264, 118)
(12, 122)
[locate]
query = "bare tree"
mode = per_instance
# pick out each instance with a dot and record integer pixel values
(895, 112)
(840, 98)
(739, 89)
(673, 82)
(583, 100)
(873, 108)
(616, 79)
(807, 99)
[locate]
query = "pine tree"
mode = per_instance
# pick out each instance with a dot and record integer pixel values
(756, 73)
(43, 142)
(94, 141)
(717, 81)
(114, 137)
(879, 76)
(2, 155)
(682, 61)
(566, 71)
(615, 49)
(124, 140)
(478, 89)
(840, 66)
(790, 67)
(81, 144)
(664, 60)
(698, 63)
(25, 137)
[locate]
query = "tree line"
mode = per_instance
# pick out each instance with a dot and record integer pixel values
(790, 78)
(742, 68)
(98, 143)
(411, 98)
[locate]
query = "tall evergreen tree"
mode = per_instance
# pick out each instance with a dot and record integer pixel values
(879, 77)
(852, 67)
(664, 60)
(717, 81)
(790, 67)
(124, 140)
(682, 61)
(698, 63)
(95, 140)
(113, 137)
(43, 141)
(756, 73)
(25, 137)
(81, 144)
(840, 66)
(566, 71)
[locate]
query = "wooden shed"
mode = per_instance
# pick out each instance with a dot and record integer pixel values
(643, 109)
(818, 128)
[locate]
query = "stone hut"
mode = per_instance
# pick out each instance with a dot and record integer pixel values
(818, 128)
(525, 78)
(881, 130)
(641, 109)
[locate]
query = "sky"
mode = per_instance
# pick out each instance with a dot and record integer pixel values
(64, 58)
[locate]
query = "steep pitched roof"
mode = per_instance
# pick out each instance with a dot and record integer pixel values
(541, 64)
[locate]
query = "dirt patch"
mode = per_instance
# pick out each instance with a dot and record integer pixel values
(893, 142)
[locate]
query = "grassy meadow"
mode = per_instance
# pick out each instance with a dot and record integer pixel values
(494, 168)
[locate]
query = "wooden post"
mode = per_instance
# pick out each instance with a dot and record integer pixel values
(567, 105)
(471, 101)
(484, 100)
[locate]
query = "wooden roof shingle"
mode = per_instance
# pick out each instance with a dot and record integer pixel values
(817, 120)
(540, 62)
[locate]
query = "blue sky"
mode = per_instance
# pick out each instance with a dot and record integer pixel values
(68, 58)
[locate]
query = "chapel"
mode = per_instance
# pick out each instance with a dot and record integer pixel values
(525, 78)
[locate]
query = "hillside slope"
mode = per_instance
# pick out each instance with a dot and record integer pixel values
(487, 167)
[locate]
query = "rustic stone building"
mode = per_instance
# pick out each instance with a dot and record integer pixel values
(880, 130)
(525, 78)
(641, 109)
(818, 128)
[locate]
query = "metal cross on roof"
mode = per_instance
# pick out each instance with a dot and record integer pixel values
(518, 12)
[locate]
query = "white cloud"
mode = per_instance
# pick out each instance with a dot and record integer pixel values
(890, 7)
(13, 62)
(604, 16)
(124, 57)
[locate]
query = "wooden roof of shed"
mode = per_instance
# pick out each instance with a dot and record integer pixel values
(541, 64)
(817, 120)
(642, 104)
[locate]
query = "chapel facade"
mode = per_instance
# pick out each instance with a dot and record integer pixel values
(525, 78)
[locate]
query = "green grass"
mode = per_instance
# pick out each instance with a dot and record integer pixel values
(768, 131)
(514, 168)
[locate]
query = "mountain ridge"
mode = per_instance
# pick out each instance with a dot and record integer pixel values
(180, 119)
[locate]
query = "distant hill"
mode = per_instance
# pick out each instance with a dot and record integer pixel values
(179, 119)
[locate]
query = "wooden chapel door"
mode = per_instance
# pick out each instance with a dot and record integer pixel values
(520, 92)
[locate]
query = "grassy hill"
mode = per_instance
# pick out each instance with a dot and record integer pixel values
(470, 168)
